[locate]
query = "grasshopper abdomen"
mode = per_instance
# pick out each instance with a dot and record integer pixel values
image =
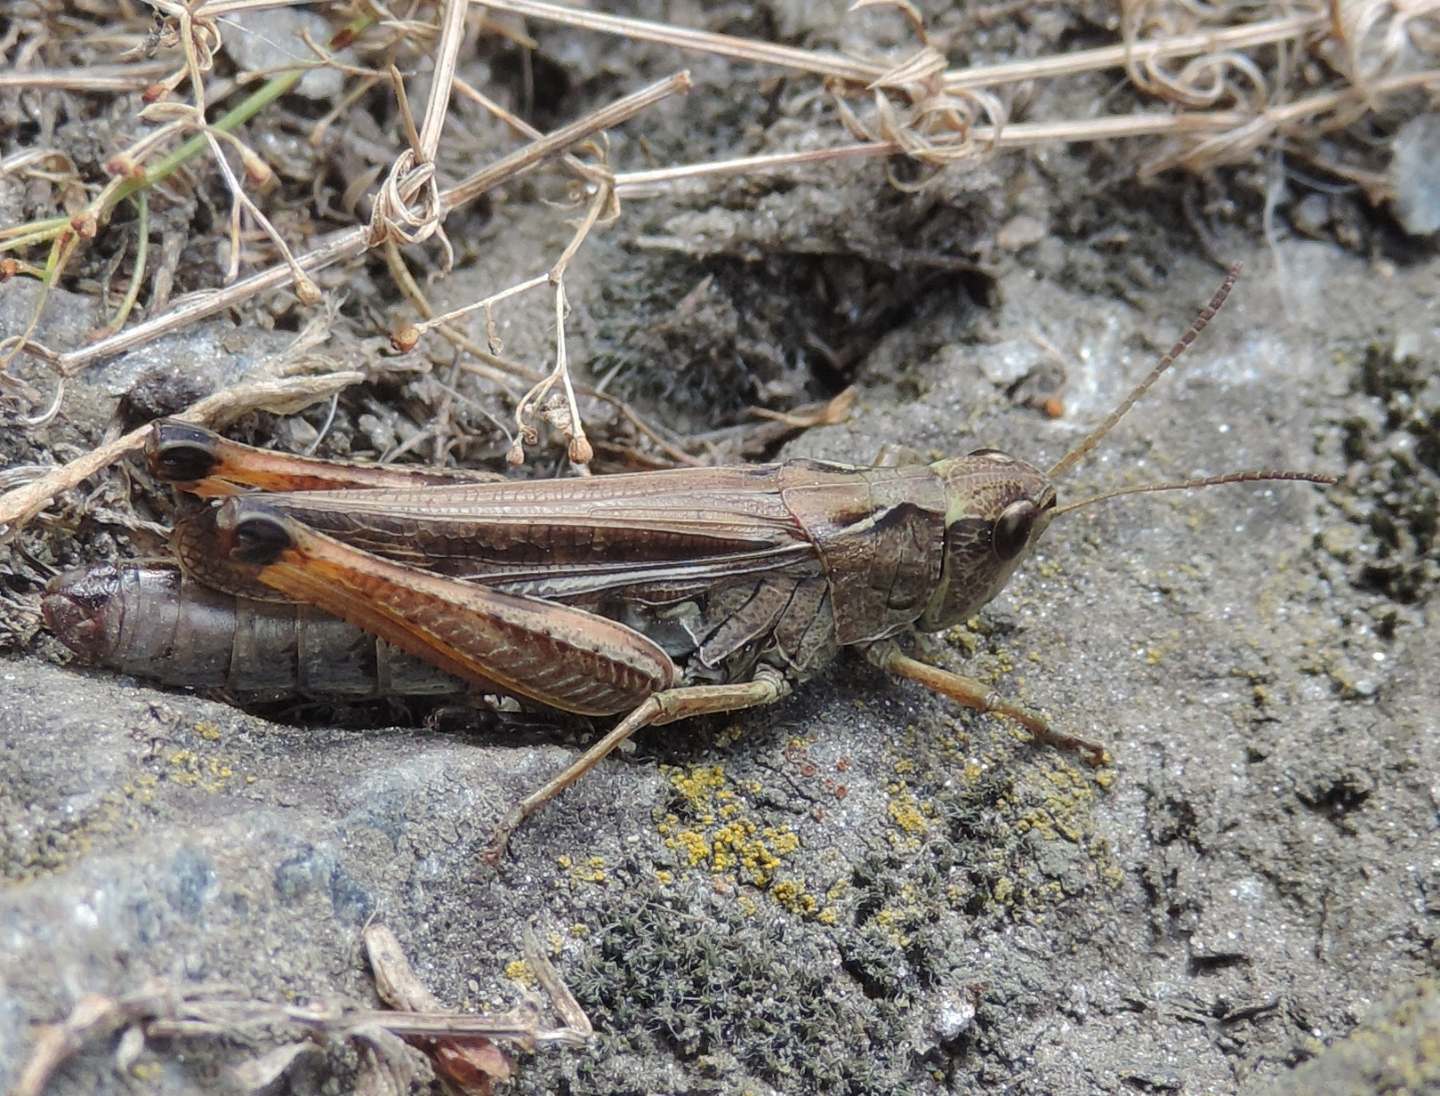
(151, 621)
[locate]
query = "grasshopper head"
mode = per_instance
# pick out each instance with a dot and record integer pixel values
(995, 507)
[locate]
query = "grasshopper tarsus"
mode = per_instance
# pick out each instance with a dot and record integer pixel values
(500, 837)
(1092, 753)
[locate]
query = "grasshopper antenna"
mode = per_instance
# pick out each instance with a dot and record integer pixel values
(1207, 481)
(1094, 438)
(1091, 440)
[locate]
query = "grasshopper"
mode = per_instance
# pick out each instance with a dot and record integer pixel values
(655, 596)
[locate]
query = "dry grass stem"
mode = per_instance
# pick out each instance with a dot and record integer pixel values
(529, 156)
(452, 33)
(492, 367)
(116, 78)
(587, 172)
(459, 1044)
(218, 9)
(938, 128)
(280, 397)
(412, 176)
(866, 73)
(631, 184)
(1292, 28)
(137, 271)
(412, 332)
(567, 421)
(397, 216)
(720, 45)
(829, 413)
(350, 242)
(400, 988)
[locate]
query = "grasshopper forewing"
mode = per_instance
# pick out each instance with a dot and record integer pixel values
(654, 596)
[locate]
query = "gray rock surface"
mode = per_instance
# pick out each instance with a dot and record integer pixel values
(863, 887)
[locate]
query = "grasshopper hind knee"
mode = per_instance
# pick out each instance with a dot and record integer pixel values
(257, 536)
(180, 453)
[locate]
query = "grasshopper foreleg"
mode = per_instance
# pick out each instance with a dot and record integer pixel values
(664, 707)
(974, 694)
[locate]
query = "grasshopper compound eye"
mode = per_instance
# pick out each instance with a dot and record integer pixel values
(1013, 528)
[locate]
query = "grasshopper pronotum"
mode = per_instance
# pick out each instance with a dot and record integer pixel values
(655, 596)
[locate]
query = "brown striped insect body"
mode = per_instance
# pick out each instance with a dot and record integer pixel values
(660, 595)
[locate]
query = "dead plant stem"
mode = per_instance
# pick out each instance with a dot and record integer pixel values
(349, 242)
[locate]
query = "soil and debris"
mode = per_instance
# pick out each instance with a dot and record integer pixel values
(864, 889)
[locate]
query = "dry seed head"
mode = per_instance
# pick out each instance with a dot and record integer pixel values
(580, 451)
(257, 172)
(307, 291)
(122, 165)
(405, 337)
